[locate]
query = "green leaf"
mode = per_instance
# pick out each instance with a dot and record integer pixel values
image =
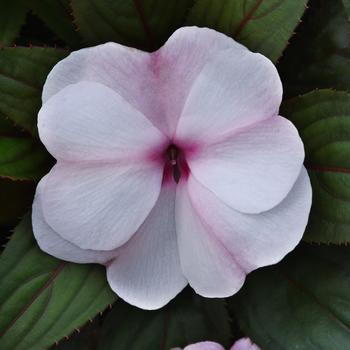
(23, 72)
(57, 16)
(84, 339)
(346, 4)
(323, 120)
(16, 198)
(12, 17)
(263, 26)
(23, 159)
(302, 303)
(7, 128)
(143, 24)
(319, 55)
(187, 319)
(43, 299)
(21, 156)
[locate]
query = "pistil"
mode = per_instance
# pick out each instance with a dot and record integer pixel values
(173, 156)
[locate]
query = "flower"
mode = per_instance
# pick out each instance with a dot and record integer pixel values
(204, 345)
(173, 167)
(241, 344)
(244, 344)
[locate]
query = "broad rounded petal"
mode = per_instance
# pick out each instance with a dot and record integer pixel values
(52, 243)
(254, 169)
(147, 271)
(210, 268)
(99, 206)
(125, 70)
(205, 345)
(156, 84)
(89, 121)
(180, 61)
(255, 240)
(244, 344)
(234, 89)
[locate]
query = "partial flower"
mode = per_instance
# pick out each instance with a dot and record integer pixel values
(241, 344)
(244, 344)
(173, 167)
(205, 345)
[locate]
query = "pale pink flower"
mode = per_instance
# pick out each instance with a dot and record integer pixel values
(241, 344)
(125, 124)
(204, 345)
(244, 344)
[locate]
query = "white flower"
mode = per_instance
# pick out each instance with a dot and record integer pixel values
(172, 167)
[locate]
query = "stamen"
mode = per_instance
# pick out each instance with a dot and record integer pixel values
(176, 173)
(173, 154)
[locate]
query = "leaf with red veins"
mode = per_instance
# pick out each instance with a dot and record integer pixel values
(323, 120)
(142, 24)
(262, 25)
(23, 71)
(43, 299)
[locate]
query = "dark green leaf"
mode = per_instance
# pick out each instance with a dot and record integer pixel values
(263, 26)
(7, 127)
(12, 17)
(323, 120)
(303, 303)
(43, 299)
(188, 319)
(85, 338)
(346, 4)
(142, 24)
(23, 72)
(16, 198)
(57, 16)
(319, 55)
(23, 159)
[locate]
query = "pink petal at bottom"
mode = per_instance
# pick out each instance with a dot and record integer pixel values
(218, 246)
(147, 271)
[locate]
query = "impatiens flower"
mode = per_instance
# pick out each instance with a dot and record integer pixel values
(173, 167)
(241, 344)
(204, 345)
(244, 344)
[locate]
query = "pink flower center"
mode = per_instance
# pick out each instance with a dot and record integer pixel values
(175, 164)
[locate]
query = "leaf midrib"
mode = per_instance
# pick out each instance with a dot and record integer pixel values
(55, 273)
(246, 18)
(305, 291)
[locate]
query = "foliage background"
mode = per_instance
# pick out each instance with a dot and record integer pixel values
(301, 303)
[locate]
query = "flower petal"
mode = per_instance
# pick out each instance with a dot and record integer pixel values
(210, 268)
(156, 84)
(52, 243)
(88, 121)
(180, 61)
(235, 88)
(123, 69)
(147, 272)
(255, 240)
(244, 344)
(204, 345)
(99, 206)
(254, 169)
